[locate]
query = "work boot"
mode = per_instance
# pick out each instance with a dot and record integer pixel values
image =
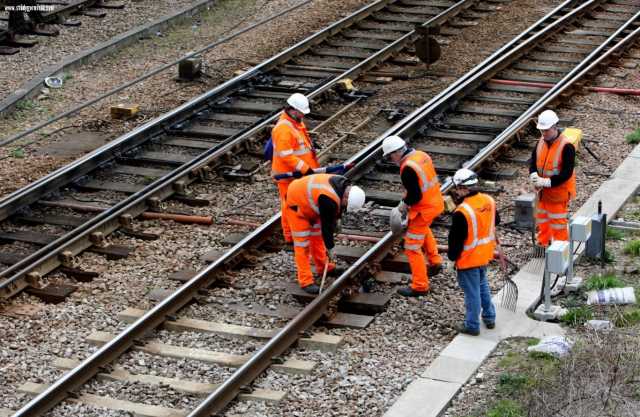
(461, 328)
(311, 289)
(434, 270)
(336, 271)
(410, 292)
(491, 325)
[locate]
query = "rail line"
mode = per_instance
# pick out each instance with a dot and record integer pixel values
(421, 128)
(183, 145)
(42, 13)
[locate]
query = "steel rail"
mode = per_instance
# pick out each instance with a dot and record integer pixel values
(106, 222)
(277, 345)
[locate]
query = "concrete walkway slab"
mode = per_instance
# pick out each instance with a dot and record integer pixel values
(433, 390)
(424, 398)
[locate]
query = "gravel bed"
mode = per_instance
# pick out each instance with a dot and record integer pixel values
(50, 51)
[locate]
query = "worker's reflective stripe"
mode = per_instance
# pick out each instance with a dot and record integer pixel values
(299, 166)
(541, 210)
(301, 244)
(474, 228)
(414, 236)
(317, 233)
(558, 226)
(555, 169)
(306, 233)
(540, 221)
(285, 153)
(426, 184)
(311, 186)
(412, 247)
(558, 215)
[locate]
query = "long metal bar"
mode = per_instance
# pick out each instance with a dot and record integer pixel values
(227, 391)
(17, 281)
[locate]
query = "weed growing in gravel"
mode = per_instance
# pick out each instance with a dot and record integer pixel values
(634, 137)
(609, 258)
(533, 341)
(26, 105)
(506, 408)
(628, 318)
(17, 153)
(614, 234)
(577, 316)
(633, 248)
(510, 384)
(596, 282)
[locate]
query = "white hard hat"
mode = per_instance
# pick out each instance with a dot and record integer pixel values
(547, 120)
(356, 198)
(392, 144)
(299, 102)
(465, 176)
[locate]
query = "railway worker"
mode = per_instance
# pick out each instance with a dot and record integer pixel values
(471, 246)
(314, 205)
(293, 150)
(422, 203)
(552, 173)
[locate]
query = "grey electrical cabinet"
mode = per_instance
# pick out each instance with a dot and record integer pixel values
(595, 244)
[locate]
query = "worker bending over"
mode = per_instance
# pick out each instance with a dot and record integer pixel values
(313, 206)
(471, 245)
(552, 173)
(421, 204)
(293, 153)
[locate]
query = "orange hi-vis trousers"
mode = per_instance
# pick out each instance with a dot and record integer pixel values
(286, 230)
(552, 220)
(419, 241)
(307, 243)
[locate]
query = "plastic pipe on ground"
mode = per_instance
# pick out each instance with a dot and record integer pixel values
(608, 90)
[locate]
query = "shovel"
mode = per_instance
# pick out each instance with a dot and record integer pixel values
(324, 275)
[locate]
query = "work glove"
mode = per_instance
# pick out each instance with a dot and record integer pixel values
(533, 177)
(543, 182)
(331, 254)
(397, 221)
(403, 208)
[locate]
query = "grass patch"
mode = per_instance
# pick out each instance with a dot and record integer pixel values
(633, 248)
(17, 153)
(614, 234)
(577, 316)
(26, 105)
(634, 137)
(510, 384)
(506, 408)
(596, 282)
(628, 318)
(533, 341)
(609, 258)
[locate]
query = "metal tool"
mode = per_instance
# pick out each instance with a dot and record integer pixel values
(509, 299)
(324, 275)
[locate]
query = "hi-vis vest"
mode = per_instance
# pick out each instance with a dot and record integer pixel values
(292, 149)
(479, 211)
(303, 194)
(421, 164)
(549, 163)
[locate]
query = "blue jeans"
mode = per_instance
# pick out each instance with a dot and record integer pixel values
(477, 296)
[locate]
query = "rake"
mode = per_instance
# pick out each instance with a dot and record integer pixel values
(509, 298)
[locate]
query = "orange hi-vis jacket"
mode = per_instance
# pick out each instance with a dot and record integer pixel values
(292, 148)
(421, 164)
(549, 163)
(480, 212)
(303, 195)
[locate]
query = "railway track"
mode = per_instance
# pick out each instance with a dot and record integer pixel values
(219, 130)
(421, 128)
(39, 17)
